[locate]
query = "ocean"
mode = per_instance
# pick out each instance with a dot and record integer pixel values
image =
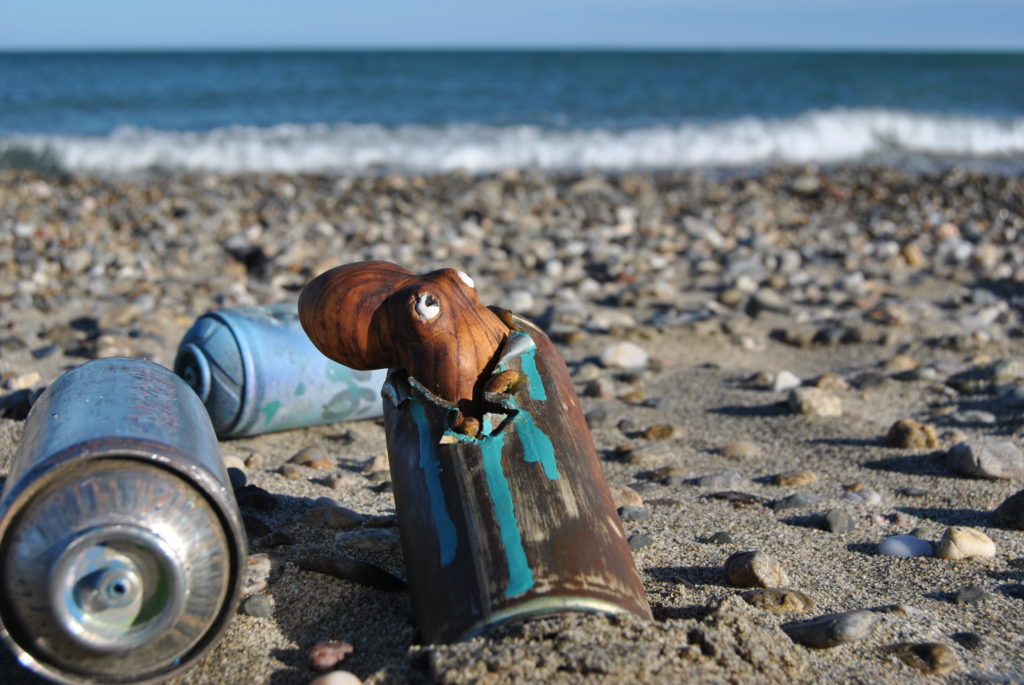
(480, 111)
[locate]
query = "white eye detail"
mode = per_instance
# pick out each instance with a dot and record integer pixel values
(464, 277)
(427, 306)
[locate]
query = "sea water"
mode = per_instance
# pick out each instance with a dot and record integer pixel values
(365, 111)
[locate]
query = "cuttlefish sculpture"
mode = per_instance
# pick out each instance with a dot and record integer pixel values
(502, 508)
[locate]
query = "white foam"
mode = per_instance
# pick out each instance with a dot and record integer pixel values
(819, 136)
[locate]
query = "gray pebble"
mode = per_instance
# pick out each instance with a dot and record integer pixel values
(972, 594)
(640, 540)
(838, 521)
(794, 501)
(832, 630)
(967, 639)
(755, 569)
(987, 459)
(722, 537)
(865, 497)
(905, 546)
(337, 518)
(259, 606)
(370, 539)
(634, 513)
(912, 491)
(721, 479)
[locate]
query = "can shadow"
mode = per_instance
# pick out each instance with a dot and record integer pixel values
(13, 673)
(690, 576)
(755, 411)
(928, 464)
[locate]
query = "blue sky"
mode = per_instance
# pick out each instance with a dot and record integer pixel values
(917, 24)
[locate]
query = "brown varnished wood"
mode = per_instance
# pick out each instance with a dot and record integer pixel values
(372, 315)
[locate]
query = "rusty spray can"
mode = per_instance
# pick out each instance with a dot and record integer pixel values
(503, 511)
(257, 372)
(121, 546)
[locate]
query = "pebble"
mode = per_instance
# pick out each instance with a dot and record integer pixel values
(254, 461)
(660, 431)
(832, 630)
(911, 434)
(351, 570)
(623, 495)
(831, 381)
(370, 539)
(755, 569)
(866, 497)
(794, 501)
(815, 402)
(23, 381)
(336, 678)
(741, 449)
(258, 606)
(905, 546)
(326, 655)
(961, 542)
(334, 517)
(793, 479)
(624, 355)
(261, 571)
(601, 388)
(972, 594)
(721, 480)
(995, 459)
(290, 471)
(785, 380)
(314, 457)
(779, 600)
(639, 540)
(931, 658)
(1010, 514)
(837, 521)
(722, 537)
(633, 513)
(967, 639)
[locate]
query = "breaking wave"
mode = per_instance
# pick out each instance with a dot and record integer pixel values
(834, 136)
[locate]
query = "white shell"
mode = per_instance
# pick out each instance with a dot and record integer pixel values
(464, 277)
(427, 306)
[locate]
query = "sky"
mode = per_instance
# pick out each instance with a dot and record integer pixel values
(867, 24)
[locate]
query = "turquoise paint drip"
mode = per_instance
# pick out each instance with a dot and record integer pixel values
(536, 444)
(529, 363)
(431, 468)
(520, 575)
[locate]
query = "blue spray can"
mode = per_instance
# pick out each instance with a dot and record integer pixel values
(257, 372)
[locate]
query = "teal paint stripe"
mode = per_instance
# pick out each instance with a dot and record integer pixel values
(536, 444)
(520, 576)
(431, 468)
(529, 364)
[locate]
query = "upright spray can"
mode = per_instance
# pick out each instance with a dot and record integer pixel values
(121, 546)
(503, 510)
(257, 372)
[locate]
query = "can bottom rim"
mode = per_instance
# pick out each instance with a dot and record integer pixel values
(540, 606)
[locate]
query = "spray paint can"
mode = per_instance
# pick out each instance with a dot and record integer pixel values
(121, 546)
(512, 523)
(257, 372)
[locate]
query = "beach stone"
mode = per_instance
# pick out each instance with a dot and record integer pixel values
(1010, 514)
(779, 600)
(721, 479)
(334, 517)
(755, 569)
(794, 501)
(722, 537)
(741, 449)
(862, 497)
(900, 363)
(931, 658)
(793, 479)
(290, 471)
(23, 381)
(911, 434)
(912, 491)
(832, 630)
(815, 402)
(602, 388)
(972, 594)
(258, 606)
(967, 639)
(962, 542)
(623, 495)
(314, 457)
(904, 546)
(996, 459)
(370, 539)
(261, 571)
(831, 381)
(336, 678)
(633, 513)
(255, 460)
(837, 521)
(785, 380)
(326, 655)
(639, 541)
(660, 431)
(624, 355)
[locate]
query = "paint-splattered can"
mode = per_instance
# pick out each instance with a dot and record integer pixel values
(121, 546)
(257, 372)
(516, 521)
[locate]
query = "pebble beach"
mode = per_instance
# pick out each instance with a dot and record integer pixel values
(806, 387)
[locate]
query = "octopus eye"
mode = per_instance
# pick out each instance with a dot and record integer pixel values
(427, 306)
(464, 277)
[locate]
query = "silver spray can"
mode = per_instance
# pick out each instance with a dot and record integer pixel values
(257, 372)
(121, 546)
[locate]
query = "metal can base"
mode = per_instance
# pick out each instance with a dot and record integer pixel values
(542, 607)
